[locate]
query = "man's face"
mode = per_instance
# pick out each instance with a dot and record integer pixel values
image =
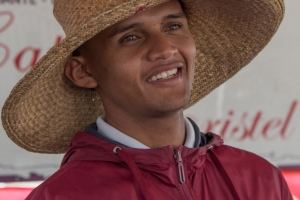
(144, 65)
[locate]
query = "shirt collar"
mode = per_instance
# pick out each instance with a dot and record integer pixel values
(113, 134)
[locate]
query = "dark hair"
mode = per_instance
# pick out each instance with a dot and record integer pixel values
(76, 52)
(182, 5)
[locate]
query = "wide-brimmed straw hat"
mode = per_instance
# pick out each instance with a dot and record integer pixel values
(44, 110)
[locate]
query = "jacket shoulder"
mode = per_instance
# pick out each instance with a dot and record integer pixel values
(261, 176)
(45, 190)
(88, 180)
(243, 160)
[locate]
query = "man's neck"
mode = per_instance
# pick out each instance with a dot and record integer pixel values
(154, 132)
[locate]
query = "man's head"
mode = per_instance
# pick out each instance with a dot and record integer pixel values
(143, 65)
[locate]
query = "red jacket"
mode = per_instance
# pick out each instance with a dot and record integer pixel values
(91, 170)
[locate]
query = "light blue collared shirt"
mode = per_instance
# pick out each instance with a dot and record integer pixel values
(113, 134)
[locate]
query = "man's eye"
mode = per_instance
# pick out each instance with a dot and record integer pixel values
(129, 38)
(173, 27)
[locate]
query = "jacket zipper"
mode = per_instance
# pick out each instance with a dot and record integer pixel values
(181, 174)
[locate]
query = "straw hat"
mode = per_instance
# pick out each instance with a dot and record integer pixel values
(44, 110)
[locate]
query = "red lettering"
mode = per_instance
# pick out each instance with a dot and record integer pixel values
(28, 52)
(259, 126)
(271, 124)
(211, 125)
(235, 130)
(29, 56)
(287, 120)
(8, 22)
(226, 124)
(250, 132)
(6, 54)
(246, 132)
(58, 40)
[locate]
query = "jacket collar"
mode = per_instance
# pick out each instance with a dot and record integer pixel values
(91, 146)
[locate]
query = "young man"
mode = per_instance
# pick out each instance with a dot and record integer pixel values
(140, 57)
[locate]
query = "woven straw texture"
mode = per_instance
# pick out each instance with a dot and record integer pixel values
(45, 110)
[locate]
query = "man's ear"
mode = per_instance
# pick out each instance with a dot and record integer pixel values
(78, 73)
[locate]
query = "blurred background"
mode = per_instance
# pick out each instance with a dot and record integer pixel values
(257, 110)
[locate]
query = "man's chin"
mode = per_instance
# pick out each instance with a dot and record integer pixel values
(167, 107)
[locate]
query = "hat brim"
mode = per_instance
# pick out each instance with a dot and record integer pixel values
(45, 110)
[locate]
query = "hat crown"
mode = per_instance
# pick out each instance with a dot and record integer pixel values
(73, 15)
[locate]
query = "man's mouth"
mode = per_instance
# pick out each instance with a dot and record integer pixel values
(164, 75)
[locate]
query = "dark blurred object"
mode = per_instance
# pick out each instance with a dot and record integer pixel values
(14, 178)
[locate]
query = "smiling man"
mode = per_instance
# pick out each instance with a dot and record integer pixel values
(142, 68)
(124, 74)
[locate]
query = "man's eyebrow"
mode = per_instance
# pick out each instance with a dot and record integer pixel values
(123, 29)
(130, 26)
(174, 16)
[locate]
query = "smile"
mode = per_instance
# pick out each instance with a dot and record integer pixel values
(163, 75)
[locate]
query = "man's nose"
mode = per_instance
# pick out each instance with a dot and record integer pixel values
(160, 47)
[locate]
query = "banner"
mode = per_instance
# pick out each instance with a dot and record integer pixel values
(257, 110)
(28, 30)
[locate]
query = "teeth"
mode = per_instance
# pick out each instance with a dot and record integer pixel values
(170, 72)
(164, 75)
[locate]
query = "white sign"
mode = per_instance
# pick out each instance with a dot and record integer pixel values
(257, 110)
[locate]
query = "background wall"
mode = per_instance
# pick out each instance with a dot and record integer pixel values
(257, 110)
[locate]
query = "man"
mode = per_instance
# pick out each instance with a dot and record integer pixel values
(140, 57)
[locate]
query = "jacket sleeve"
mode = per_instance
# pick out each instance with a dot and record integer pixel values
(36, 195)
(285, 191)
(43, 192)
